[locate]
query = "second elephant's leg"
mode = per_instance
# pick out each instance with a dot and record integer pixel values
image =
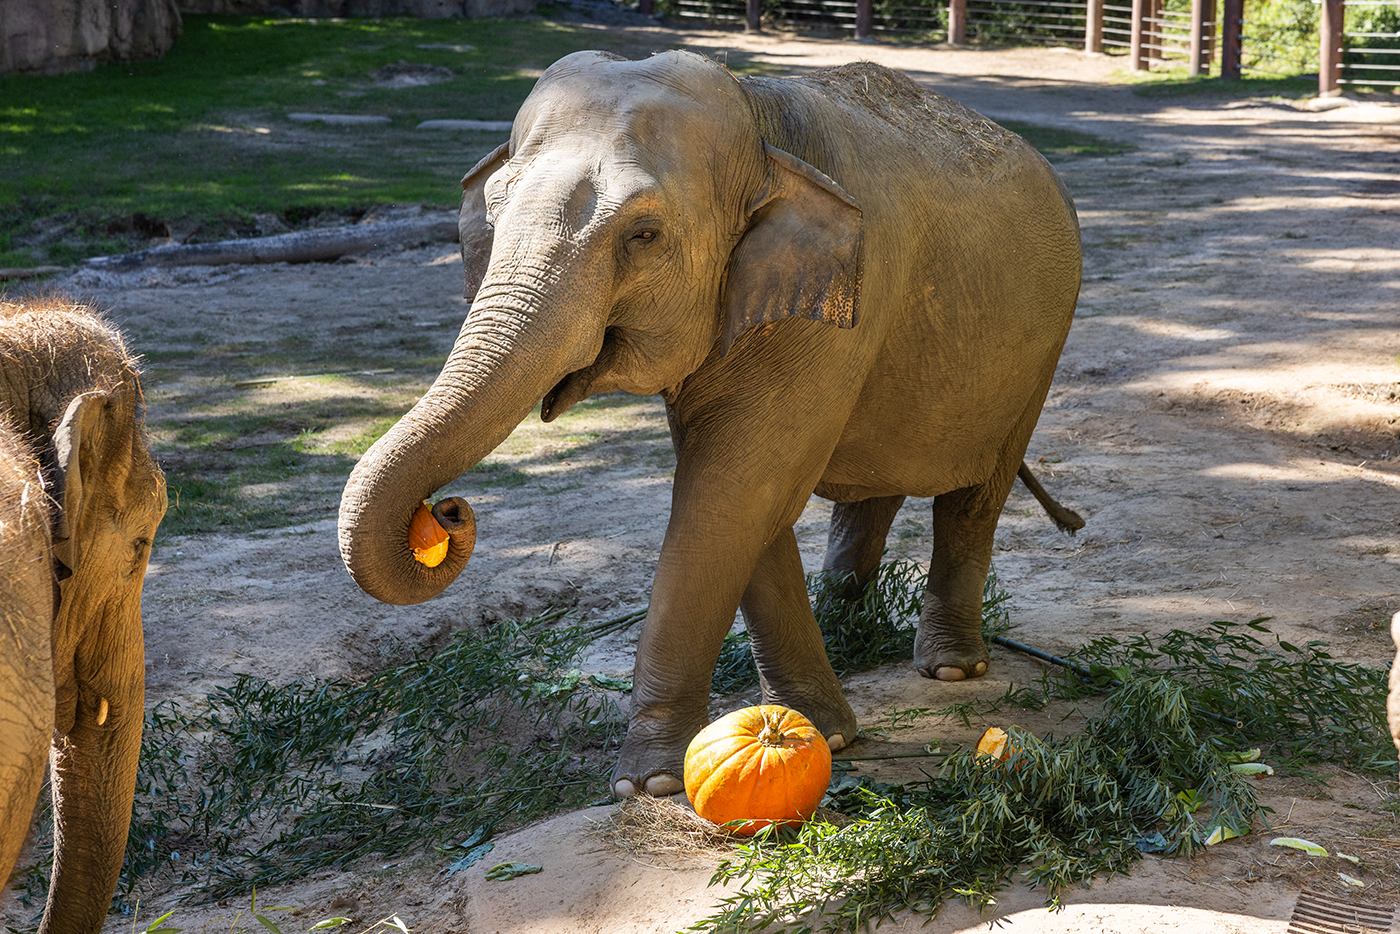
(787, 645)
(948, 645)
(856, 541)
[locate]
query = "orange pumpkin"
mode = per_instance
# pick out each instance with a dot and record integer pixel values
(427, 539)
(760, 765)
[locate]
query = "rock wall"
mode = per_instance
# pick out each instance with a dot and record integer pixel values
(423, 9)
(50, 36)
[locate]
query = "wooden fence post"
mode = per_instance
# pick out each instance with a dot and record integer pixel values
(1152, 30)
(1136, 59)
(863, 17)
(1329, 66)
(1198, 38)
(1230, 28)
(1093, 26)
(957, 21)
(752, 11)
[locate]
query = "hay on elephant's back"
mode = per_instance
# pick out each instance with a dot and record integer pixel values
(647, 826)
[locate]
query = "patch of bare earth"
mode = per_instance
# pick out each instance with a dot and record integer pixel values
(1225, 417)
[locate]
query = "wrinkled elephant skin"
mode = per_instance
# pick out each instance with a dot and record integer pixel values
(68, 385)
(841, 284)
(26, 664)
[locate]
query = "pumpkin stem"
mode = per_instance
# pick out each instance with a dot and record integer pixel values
(770, 735)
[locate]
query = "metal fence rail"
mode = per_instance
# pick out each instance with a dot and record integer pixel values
(719, 11)
(1043, 22)
(1370, 58)
(1117, 25)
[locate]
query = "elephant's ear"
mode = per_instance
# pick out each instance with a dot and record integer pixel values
(801, 254)
(77, 442)
(473, 229)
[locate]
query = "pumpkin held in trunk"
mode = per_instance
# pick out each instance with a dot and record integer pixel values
(426, 537)
(759, 766)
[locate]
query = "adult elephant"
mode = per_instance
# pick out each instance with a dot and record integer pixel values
(840, 284)
(69, 386)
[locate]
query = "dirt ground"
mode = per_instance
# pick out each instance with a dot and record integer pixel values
(1226, 417)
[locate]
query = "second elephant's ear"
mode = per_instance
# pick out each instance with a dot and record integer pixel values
(801, 255)
(473, 229)
(77, 442)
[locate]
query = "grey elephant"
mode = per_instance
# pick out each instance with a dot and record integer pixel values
(71, 402)
(839, 283)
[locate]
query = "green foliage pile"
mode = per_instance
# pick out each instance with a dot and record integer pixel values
(1060, 810)
(1296, 702)
(1151, 772)
(263, 784)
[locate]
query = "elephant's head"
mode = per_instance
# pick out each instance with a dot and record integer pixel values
(71, 386)
(633, 227)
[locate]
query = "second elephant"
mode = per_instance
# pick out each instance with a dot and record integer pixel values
(71, 403)
(841, 284)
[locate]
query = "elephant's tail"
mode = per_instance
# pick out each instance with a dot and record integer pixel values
(1067, 520)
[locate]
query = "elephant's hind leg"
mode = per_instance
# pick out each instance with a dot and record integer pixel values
(787, 645)
(856, 542)
(948, 645)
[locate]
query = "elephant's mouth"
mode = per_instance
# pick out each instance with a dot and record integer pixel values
(577, 386)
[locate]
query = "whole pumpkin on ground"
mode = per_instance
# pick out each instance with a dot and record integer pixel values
(759, 765)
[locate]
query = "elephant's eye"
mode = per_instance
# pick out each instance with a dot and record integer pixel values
(644, 236)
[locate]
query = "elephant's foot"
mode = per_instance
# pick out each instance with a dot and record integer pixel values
(652, 758)
(827, 710)
(945, 658)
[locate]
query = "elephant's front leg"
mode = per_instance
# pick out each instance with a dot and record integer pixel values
(723, 521)
(948, 644)
(787, 644)
(693, 600)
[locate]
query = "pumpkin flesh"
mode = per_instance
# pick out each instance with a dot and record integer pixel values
(995, 743)
(758, 766)
(427, 539)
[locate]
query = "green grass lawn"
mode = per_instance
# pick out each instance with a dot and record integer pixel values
(200, 145)
(201, 138)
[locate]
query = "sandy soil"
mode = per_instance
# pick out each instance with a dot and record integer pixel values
(1226, 417)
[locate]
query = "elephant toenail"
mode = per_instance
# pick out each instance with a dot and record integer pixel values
(924, 671)
(979, 669)
(836, 741)
(622, 788)
(659, 786)
(949, 673)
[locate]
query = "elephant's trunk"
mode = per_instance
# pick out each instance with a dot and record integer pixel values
(510, 353)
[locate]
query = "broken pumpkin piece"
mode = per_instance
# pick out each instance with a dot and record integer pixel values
(995, 743)
(426, 537)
